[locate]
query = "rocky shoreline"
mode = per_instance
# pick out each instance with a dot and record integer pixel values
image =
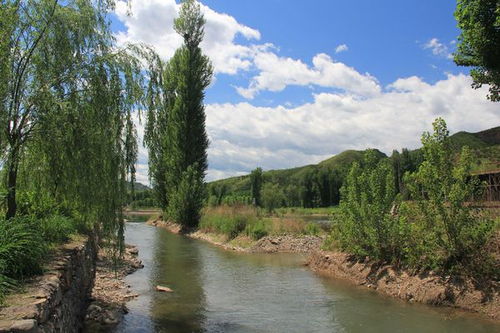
(427, 288)
(110, 293)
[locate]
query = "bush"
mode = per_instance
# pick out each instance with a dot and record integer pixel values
(312, 229)
(22, 248)
(455, 234)
(256, 230)
(57, 229)
(227, 220)
(368, 227)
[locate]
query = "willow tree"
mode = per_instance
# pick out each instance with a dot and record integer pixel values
(179, 139)
(67, 96)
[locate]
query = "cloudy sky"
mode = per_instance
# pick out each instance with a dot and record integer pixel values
(299, 81)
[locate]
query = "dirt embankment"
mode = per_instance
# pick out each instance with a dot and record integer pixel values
(267, 244)
(110, 292)
(427, 288)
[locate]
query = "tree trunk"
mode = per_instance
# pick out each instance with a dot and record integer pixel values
(12, 166)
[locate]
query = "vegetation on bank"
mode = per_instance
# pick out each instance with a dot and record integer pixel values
(233, 221)
(24, 244)
(411, 216)
(437, 229)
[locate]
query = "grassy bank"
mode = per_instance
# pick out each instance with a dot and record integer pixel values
(233, 221)
(25, 243)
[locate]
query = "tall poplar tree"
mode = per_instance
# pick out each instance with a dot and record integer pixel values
(187, 75)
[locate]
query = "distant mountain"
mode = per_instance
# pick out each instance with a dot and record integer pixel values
(139, 187)
(485, 146)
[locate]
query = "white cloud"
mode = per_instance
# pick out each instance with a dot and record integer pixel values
(357, 113)
(151, 22)
(276, 73)
(341, 48)
(244, 136)
(438, 48)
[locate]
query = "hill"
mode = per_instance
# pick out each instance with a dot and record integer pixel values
(319, 184)
(139, 187)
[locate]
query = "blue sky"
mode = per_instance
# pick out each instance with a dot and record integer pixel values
(384, 38)
(299, 81)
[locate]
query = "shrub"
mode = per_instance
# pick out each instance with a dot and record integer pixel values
(227, 220)
(368, 227)
(312, 229)
(22, 248)
(57, 229)
(256, 230)
(455, 233)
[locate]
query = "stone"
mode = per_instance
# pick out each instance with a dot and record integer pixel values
(164, 289)
(25, 326)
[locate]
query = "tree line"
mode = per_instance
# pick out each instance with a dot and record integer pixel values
(312, 187)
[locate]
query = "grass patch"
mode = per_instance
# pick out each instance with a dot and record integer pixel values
(233, 221)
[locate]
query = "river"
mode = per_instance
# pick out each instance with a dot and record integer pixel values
(221, 291)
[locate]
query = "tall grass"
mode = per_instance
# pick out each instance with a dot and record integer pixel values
(24, 244)
(228, 220)
(22, 247)
(235, 220)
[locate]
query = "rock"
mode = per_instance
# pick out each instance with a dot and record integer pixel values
(94, 308)
(110, 318)
(133, 251)
(27, 325)
(164, 289)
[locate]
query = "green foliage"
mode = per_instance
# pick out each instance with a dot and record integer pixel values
(442, 189)
(22, 248)
(368, 228)
(479, 42)
(185, 206)
(230, 221)
(175, 132)
(272, 196)
(256, 180)
(257, 229)
(312, 229)
(57, 229)
(68, 141)
(438, 230)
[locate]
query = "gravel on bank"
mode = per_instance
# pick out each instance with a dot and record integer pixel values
(110, 293)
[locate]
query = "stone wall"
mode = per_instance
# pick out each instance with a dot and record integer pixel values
(56, 301)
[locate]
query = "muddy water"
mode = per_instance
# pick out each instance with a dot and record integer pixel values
(220, 291)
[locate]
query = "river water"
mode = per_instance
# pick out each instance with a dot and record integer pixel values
(222, 291)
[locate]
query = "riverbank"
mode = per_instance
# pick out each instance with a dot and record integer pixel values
(242, 243)
(55, 301)
(110, 292)
(428, 288)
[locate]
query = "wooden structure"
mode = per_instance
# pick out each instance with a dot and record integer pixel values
(491, 181)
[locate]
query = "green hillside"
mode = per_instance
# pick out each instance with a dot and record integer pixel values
(319, 184)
